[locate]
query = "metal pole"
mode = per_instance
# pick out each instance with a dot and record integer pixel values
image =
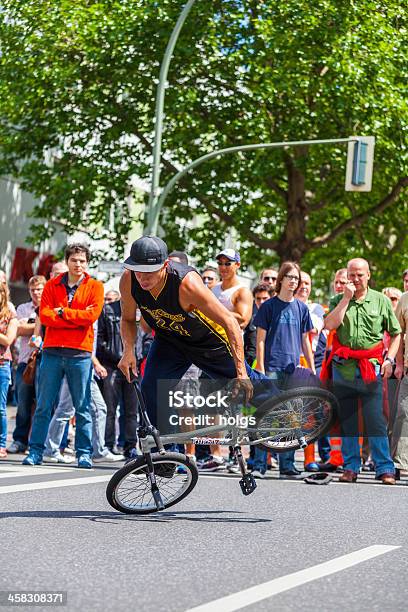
(197, 162)
(153, 216)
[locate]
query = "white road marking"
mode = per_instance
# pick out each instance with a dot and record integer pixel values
(53, 484)
(16, 471)
(244, 598)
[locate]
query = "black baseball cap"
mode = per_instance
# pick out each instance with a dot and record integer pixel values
(147, 254)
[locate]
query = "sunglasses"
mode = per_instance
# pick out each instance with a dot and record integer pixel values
(226, 263)
(291, 277)
(394, 299)
(270, 278)
(208, 278)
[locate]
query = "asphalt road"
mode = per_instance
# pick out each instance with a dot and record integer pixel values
(214, 543)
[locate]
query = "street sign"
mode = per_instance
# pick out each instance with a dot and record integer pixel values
(360, 160)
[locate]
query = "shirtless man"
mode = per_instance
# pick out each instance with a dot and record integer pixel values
(238, 300)
(230, 291)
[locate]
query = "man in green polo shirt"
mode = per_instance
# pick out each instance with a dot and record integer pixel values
(361, 316)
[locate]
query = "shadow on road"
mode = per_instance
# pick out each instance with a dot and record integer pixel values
(207, 516)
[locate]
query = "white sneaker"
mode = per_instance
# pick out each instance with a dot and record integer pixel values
(108, 458)
(258, 474)
(57, 458)
(16, 447)
(213, 464)
(233, 468)
(69, 451)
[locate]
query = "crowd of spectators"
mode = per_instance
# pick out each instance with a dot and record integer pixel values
(77, 401)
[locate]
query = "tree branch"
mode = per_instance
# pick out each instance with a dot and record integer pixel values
(401, 233)
(212, 208)
(229, 220)
(361, 218)
(278, 190)
(323, 202)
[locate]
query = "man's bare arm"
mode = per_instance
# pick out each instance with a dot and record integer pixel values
(194, 294)
(335, 318)
(386, 368)
(25, 328)
(308, 351)
(395, 342)
(37, 326)
(128, 327)
(243, 307)
(260, 349)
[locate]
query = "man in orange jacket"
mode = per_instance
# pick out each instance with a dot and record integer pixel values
(70, 304)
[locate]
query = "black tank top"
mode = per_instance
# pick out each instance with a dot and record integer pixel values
(187, 330)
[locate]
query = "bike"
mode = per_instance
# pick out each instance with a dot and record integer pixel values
(155, 481)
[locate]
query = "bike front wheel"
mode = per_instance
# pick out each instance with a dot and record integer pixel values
(129, 489)
(301, 414)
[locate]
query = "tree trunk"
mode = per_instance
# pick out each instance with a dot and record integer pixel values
(293, 243)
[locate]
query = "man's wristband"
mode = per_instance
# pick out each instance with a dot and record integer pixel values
(391, 360)
(60, 312)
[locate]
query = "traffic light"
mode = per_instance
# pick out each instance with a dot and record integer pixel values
(360, 160)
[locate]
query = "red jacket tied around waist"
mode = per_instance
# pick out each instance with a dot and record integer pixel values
(363, 357)
(74, 329)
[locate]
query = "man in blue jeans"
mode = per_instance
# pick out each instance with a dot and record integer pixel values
(360, 317)
(283, 325)
(70, 304)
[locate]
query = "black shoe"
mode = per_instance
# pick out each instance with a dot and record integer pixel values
(293, 474)
(115, 451)
(397, 474)
(131, 454)
(328, 467)
(322, 478)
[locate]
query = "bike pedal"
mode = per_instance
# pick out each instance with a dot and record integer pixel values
(247, 484)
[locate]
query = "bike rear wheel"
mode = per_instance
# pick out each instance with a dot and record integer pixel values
(303, 413)
(129, 489)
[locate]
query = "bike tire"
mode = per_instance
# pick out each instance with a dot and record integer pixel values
(132, 479)
(310, 411)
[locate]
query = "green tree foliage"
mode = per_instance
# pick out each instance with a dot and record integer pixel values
(77, 90)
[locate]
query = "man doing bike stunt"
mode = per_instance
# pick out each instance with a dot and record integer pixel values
(191, 325)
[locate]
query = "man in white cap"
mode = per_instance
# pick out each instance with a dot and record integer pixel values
(230, 291)
(238, 300)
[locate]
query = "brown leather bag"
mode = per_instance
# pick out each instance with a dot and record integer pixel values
(29, 372)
